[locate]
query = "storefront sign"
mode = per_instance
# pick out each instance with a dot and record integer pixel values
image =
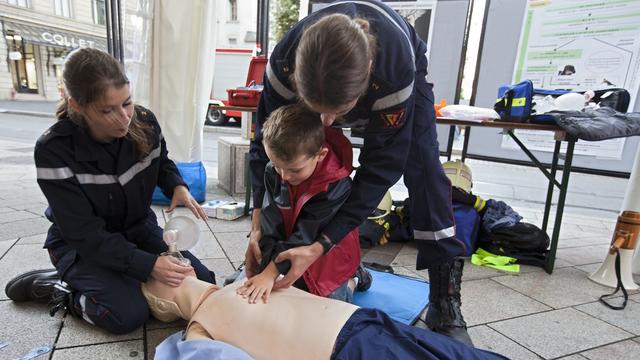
(66, 40)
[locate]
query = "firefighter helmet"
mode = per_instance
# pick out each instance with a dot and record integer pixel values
(459, 174)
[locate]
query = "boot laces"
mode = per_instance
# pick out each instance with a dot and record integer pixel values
(60, 299)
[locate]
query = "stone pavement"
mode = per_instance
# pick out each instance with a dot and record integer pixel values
(532, 315)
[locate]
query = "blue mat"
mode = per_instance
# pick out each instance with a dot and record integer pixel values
(401, 297)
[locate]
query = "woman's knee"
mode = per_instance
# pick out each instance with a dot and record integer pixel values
(123, 320)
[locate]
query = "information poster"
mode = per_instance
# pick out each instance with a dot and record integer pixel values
(419, 14)
(580, 45)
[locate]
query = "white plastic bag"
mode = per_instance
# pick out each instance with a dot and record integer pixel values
(470, 113)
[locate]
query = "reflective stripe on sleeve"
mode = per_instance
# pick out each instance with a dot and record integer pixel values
(393, 99)
(96, 179)
(139, 167)
(277, 85)
(434, 235)
(54, 173)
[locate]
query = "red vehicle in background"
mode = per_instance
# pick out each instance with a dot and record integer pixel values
(221, 117)
(237, 82)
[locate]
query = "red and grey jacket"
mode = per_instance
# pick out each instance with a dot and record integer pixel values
(100, 203)
(384, 115)
(293, 217)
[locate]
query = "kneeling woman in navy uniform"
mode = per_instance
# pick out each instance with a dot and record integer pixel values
(98, 167)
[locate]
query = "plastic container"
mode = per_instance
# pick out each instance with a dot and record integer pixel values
(243, 97)
(469, 113)
(249, 95)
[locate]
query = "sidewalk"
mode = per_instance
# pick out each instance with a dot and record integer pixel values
(532, 315)
(35, 108)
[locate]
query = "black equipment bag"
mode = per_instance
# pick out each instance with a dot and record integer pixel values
(523, 241)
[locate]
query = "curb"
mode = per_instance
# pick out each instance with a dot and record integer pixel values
(28, 113)
(222, 130)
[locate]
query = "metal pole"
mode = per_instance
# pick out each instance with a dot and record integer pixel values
(452, 130)
(118, 28)
(259, 27)
(554, 168)
(107, 20)
(115, 44)
(465, 144)
(265, 28)
(551, 256)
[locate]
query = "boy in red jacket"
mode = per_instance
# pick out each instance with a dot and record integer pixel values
(306, 182)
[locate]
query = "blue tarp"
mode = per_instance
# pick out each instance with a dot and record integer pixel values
(402, 298)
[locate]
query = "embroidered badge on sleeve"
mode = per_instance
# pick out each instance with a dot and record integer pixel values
(394, 119)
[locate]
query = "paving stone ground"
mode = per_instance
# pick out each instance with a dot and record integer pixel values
(532, 315)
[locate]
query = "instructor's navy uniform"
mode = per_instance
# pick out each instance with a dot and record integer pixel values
(396, 117)
(105, 238)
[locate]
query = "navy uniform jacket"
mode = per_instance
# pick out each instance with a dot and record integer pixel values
(384, 114)
(100, 206)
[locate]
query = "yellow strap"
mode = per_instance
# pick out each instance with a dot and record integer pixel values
(515, 102)
(504, 263)
(479, 204)
(519, 102)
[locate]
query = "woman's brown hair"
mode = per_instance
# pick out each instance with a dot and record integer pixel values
(87, 74)
(293, 130)
(333, 61)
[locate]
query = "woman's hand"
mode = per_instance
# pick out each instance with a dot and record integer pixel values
(301, 258)
(182, 196)
(169, 270)
(253, 255)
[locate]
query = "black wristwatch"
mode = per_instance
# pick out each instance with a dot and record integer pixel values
(325, 242)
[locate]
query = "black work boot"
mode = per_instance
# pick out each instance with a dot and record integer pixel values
(444, 315)
(36, 285)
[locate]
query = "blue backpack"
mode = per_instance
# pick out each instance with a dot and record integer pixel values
(515, 102)
(467, 226)
(194, 175)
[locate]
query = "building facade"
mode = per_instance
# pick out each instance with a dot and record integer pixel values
(37, 35)
(237, 21)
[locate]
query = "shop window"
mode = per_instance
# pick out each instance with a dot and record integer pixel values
(99, 12)
(62, 8)
(23, 3)
(233, 6)
(24, 67)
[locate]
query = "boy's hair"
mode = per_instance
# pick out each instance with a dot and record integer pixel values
(293, 130)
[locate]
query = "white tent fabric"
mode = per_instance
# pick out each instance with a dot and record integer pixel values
(183, 53)
(137, 27)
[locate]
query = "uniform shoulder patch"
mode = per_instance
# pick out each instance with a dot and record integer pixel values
(60, 128)
(393, 119)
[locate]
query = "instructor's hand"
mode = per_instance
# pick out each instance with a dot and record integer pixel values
(253, 255)
(182, 196)
(169, 270)
(301, 258)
